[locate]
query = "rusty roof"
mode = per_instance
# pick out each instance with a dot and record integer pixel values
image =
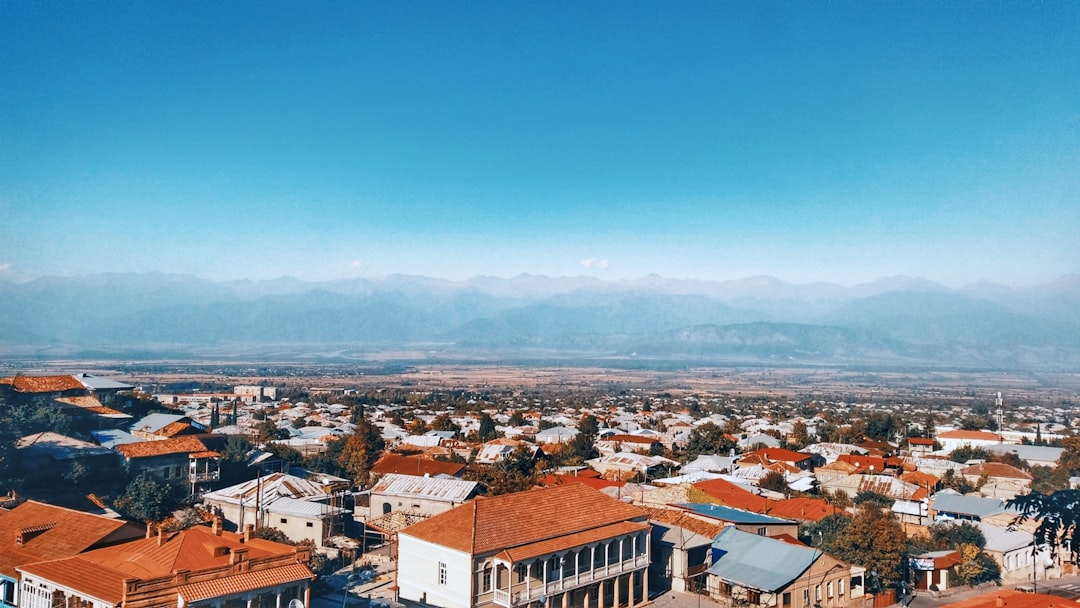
(487, 525)
(411, 465)
(176, 445)
(43, 384)
(733, 496)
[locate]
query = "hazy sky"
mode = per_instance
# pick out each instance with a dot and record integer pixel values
(836, 141)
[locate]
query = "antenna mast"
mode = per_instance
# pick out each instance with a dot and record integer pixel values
(1001, 419)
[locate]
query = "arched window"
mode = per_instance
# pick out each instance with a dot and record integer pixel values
(386, 508)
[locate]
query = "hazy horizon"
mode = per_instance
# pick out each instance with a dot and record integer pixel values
(838, 142)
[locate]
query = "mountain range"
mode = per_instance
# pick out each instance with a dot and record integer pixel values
(893, 322)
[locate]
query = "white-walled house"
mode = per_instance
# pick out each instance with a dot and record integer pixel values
(567, 546)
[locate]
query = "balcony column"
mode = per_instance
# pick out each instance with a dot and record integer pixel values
(307, 596)
(277, 600)
(615, 582)
(607, 557)
(645, 585)
(566, 599)
(588, 596)
(528, 581)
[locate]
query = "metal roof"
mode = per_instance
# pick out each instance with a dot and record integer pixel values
(737, 516)
(977, 506)
(758, 562)
(431, 488)
(303, 508)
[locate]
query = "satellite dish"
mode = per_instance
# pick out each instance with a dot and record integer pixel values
(295, 603)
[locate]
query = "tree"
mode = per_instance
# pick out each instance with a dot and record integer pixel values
(822, 533)
(148, 499)
(360, 451)
(775, 481)
(965, 453)
(1059, 518)
(874, 540)
(487, 430)
(950, 535)
(443, 422)
(800, 436)
(708, 438)
(215, 417)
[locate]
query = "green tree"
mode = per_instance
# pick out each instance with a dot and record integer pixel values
(487, 430)
(360, 452)
(950, 535)
(215, 417)
(874, 540)
(774, 480)
(443, 422)
(1058, 515)
(822, 533)
(708, 438)
(148, 499)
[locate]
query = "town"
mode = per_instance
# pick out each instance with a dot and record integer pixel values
(122, 493)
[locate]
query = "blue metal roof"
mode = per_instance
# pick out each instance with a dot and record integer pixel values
(758, 562)
(737, 516)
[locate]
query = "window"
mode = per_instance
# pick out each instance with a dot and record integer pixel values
(762, 531)
(817, 593)
(521, 570)
(442, 573)
(787, 599)
(284, 521)
(725, 588)
(806, 597)
(167, 473)
(310, 524)
(829, 590)
(753, 596)
(486, 580)
(840, 584)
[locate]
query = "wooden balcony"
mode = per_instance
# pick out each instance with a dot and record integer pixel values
(535, 590)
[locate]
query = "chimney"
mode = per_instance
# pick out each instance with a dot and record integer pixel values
(149, 531)
(217, 526)
(248, 529)
(999, 602)
(237, 555)
(160, 535)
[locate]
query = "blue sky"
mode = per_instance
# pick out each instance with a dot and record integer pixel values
(814, 141)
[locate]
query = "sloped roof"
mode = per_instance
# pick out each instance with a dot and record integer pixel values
(977, 506)
(803, 508)
(245, 581)
(728, 514)
(734, 496)
(269, 489)
(431, 488)
(487, 525)
(971, 435)
(66, 532)
(682, 519)
(995, 469)
(43, 384)
(91, 404)
(781, 454)
(177, 445)
(411, 465)
(759, 562)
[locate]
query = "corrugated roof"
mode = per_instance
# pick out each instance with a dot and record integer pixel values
(146, 449)
(431, 488)
(737, 516)
(977, 506)
(759, 562)
(270, 489)
(303, 508)
(410, 465)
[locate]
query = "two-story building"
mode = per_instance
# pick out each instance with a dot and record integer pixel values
(567, 546)
(181, 460)
(201, 567)
(34, 531)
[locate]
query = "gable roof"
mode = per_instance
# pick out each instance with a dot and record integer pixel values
(734, 496)
(487, 525)
(781, 454)
(759, 562)
(412, 465)
(48, 532)
(970, 435)
(186, 444)
(43, 384)
(728, 514)
(430, 488)
(803, 508)
(978, 506)
(995, 469)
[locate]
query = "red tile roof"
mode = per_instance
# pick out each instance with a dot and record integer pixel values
(246, 581)
(995, 469)
(411, 465)
(68, 532)
(803, 509)
(592, 481)
(729, 494)
(487, 525)
(683, 519)
(962, 434)
(88, 578)
(920, 441)
(43, 384)
(146, 449)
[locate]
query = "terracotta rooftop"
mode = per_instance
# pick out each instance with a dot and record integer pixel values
(487, 525)
(729, 494)
(803, 509)
(49, 532)
(920, 441)
(176, 445)
(92, 405)
(995, 469)
(631, 439)
(1011, 598)
(411, 465)
(239, 583)
(43, 384)
(683, 519)
(962, 434)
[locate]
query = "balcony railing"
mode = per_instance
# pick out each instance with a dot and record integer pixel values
(535, 590)
(204, 476)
